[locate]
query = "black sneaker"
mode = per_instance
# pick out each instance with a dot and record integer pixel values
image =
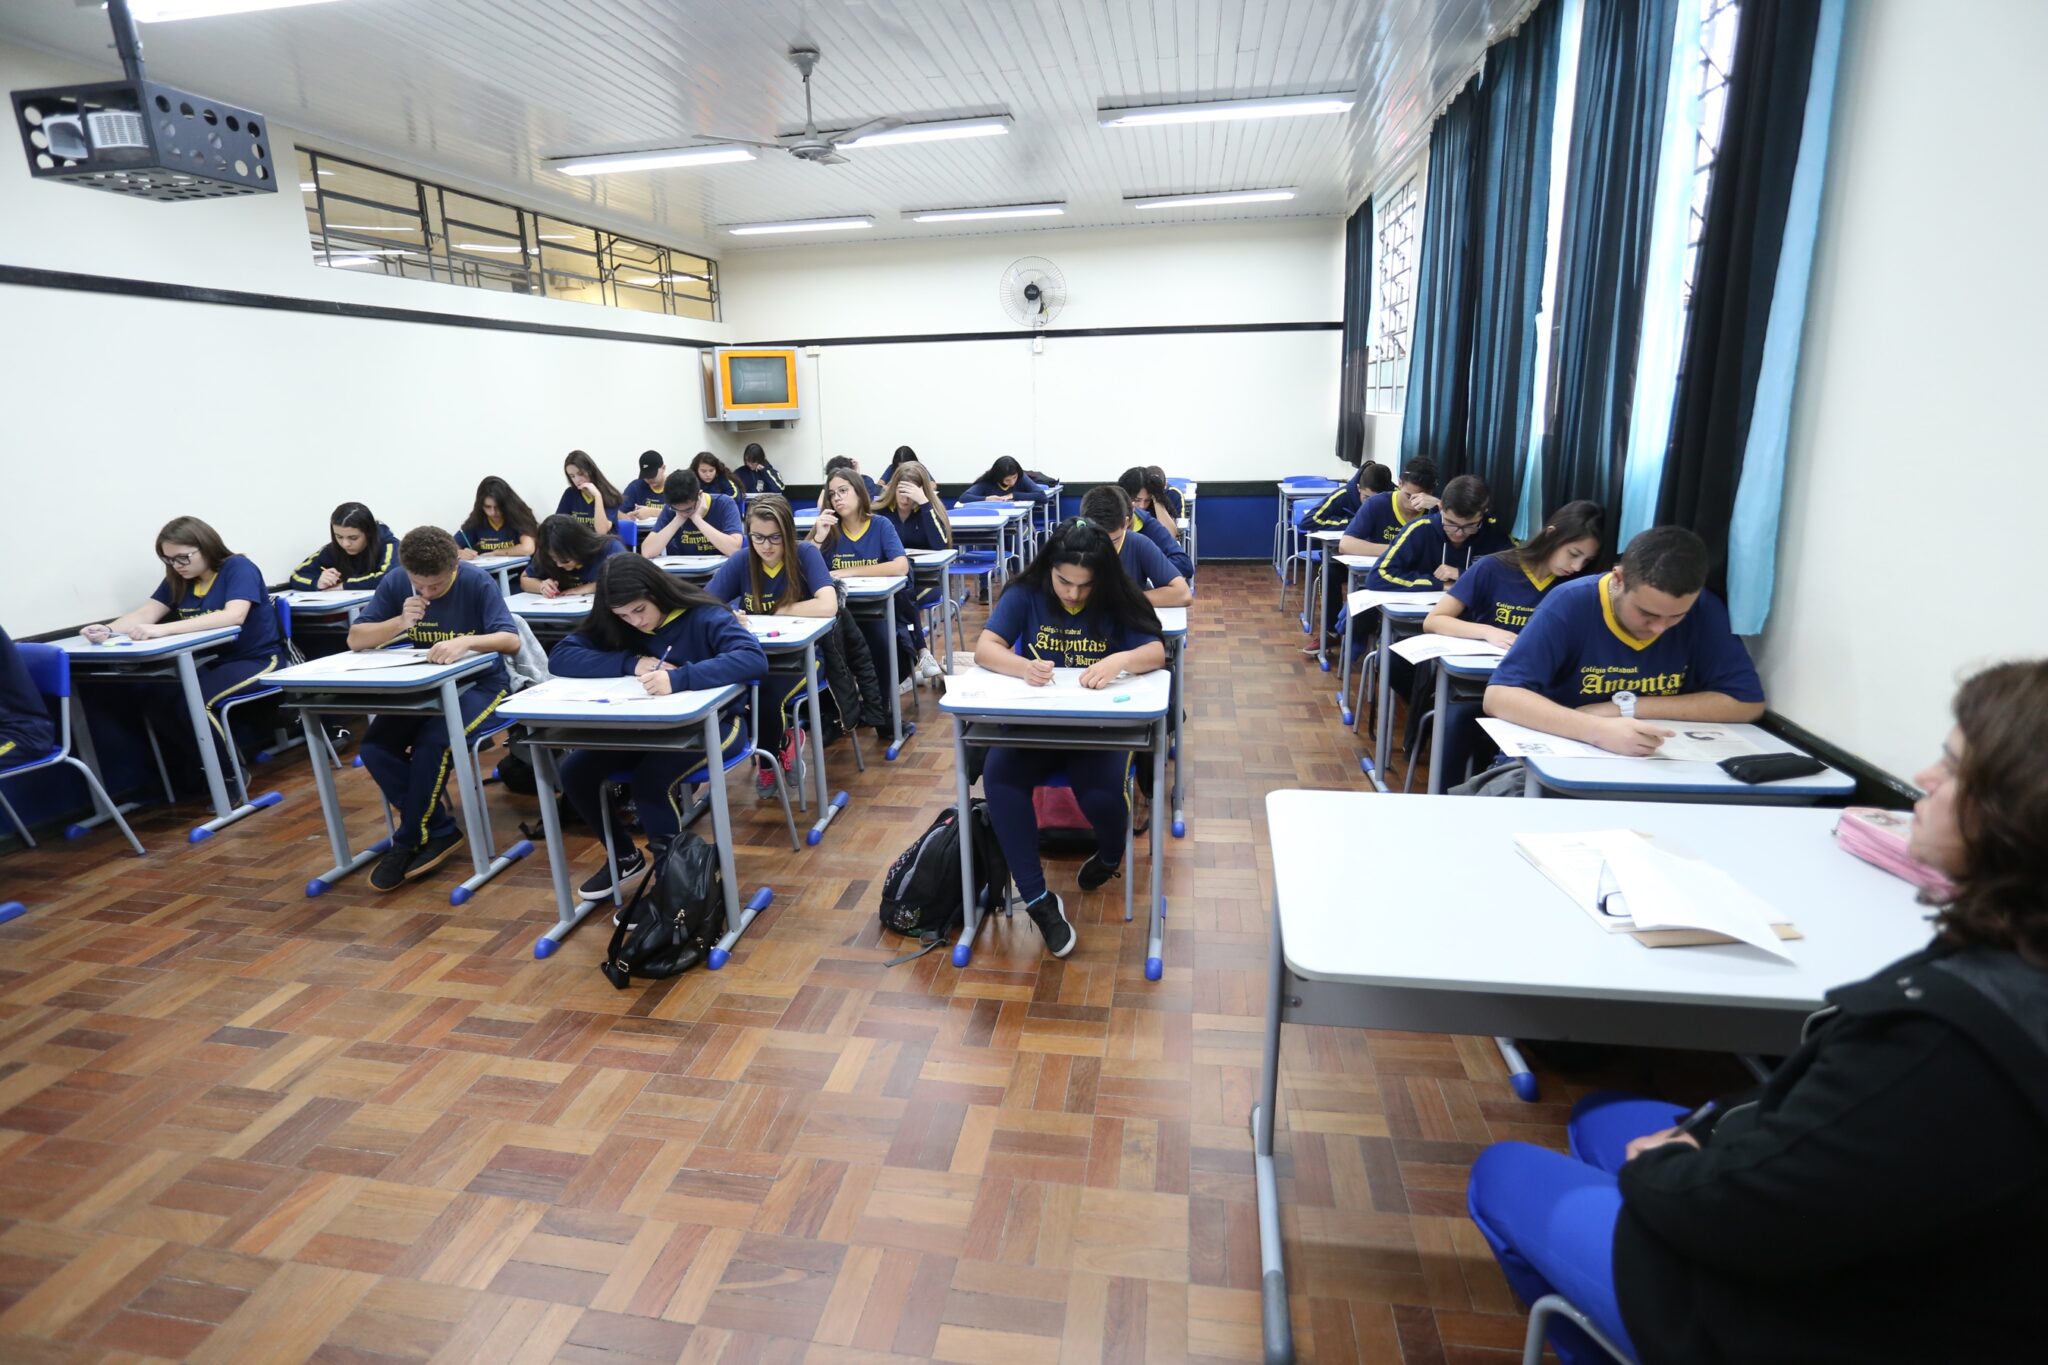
(1095, 872)
(631, 864)
(1049, 913)
(389, 873)
(433, 853)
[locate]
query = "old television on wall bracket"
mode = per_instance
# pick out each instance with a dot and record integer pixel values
(751, 385)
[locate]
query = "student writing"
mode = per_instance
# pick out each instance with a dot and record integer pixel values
(1383, 516)
(1431, 553)
(454, 609)
(760, 582)
(566, 557)
(359, 551)
(693, 521)
(1005, 481)
(1074, 607)
(756, 474)
(642, 497)
(1647, 627)
(1334, 513)
(1107, 507)
(674, 638)
(590, 496)
(856, 543)
(911, 503)
(206, 586)
(500, 523)
(716, 478)
(1496, 599)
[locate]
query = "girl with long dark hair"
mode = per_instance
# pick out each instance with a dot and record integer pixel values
(673, 637)
(856, 543)
(1074, 607)
(590, 497)
(1005, 481)
(1495, 600)
(567, 556)
(715, 477)
(756, 474)
(359, 551)
(499, 523)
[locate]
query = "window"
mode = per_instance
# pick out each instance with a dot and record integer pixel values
(361, 218)
(1711, 64)
(1395, 224)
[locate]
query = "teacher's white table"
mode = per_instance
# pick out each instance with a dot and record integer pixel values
(1512, 956)
(173, 656)
(682, 721)
(1129, 715)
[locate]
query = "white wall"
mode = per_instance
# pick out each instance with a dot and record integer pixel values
(1232, 406)
(261, 421)
(1918, 465)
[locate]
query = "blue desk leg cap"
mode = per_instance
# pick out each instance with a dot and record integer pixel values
(1325, 663)
(1162, 907)
(1344, 714)
(199, 836)
(383, 845)
(12, 910)
(841, 800)
(267, 799)
(814, 838)
(1524, 1083)
(761, 899)
(719, 957)
(545, 948)
(460, 895)
(356, 762)
(962, 954)
(76, 831)
(1154, 969)
(316, 887)
(1180, 828)
(1365, 765)
(519, 850)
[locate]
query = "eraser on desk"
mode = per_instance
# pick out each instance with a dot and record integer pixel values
(1121, 696)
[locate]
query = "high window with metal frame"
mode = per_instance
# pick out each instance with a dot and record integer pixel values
(361, 218)
(1394, 248)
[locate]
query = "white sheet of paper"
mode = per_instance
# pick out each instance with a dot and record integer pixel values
(1703, 743)
(1572, 860)
(1365, 599)
(590, 689)
(1416, 648)
(320, 597)
(370, 659)
(1665, 891)
(868, 582)
(1519, 741)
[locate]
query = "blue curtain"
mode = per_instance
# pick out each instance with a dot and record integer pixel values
(1471, 379)
(1610, 201)
(1351, 386)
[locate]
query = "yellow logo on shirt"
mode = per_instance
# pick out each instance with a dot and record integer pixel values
(1606, 680)
(1511, 617)
(1067, 646)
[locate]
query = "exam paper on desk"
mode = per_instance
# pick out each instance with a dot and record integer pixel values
(1649, 889)
(363, 661)
(1417, 648)
(1693, 742)
(978, 686)
(588, 689)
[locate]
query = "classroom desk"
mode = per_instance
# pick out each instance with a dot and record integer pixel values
(928, 574)
(1354, 567)
(1663, 779)
(682, 722)
(873, 596)
(691, 568)
(325, 687)
(172, 656)
(502, 568)
(1283, 528)
(1517, 959)
(1046, 515)
(1398, 620)
(993, 522)
(1067, 716)
(321, 604)
(800, 635)
(553, 619)
(1188, 489)
(1174, 622)
(1470, 673)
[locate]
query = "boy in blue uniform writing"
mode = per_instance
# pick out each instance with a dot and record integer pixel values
(1648, 628)
(694, 522)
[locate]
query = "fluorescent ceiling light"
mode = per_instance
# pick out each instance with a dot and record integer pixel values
(1185, 201)
(803, 225)
(1214, 111)
(943, 130)
(484, 246)
(976, 215)
(162, 11)
(307, 186)
(660, 159)
(367, 227)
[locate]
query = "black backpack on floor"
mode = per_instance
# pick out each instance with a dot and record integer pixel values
(674, 918)
(921, 891)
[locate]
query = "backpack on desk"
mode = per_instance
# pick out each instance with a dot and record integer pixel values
(921, 891)
(673, 919)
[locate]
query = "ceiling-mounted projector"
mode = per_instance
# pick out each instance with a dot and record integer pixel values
(137, 137)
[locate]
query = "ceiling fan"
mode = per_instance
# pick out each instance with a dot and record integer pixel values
(810, 144)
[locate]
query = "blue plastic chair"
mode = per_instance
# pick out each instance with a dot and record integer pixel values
(228, 708)
(49, 668)
(628, 533)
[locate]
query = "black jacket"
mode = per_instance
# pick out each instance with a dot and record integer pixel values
(1883, 1198)
(366, 572)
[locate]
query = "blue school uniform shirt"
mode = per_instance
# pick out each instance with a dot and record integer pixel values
(573, 503)
(723, 514)
(26, 730)
(732, 583)
(919, 532)
(707, 646)
(471, 606)
(487, 539)
(878, 544)
(641, 495)
(763, 480)
(1574, 652)
(1411, 562)
(1499, 592)
(1379, 519)
(1168, 543)
(1333, 513)
(237, 580)
(1144, 563)
(1024, 490)
(588, 573)
(726, 485)
(1039, 626)
(379, 557)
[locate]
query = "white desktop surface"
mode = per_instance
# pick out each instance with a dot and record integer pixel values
(1146, 696)
(121, 647)
(932, 559)
(534, 604)
(1172, 620)
(789, 632)
(492, 564)
(320, 675)
(324, 601)
(545, 704)
(866, 587)
(691, 564)
(1653, 774)
(1452, 905)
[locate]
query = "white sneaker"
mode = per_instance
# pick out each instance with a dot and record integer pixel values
(927, 666)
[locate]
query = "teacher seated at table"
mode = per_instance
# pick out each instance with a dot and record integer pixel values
(1647, 632)
(1883, 1196)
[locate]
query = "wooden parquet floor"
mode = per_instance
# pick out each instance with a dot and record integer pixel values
(238, 1125)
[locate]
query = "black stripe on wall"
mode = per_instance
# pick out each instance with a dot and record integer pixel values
(1025, 333)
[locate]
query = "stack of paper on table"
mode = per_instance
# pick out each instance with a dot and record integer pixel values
(1658, 897)
(1417, 648)
(1693, 742)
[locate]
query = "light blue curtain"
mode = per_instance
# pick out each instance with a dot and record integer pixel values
(1753, 531)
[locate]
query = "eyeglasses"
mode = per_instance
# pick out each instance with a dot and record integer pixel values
(179, 561)
(774, 538)
(1464, 527)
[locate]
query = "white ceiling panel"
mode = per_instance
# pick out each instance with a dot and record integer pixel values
(488, 90)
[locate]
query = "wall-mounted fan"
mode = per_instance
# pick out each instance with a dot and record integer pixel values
(1032, 291)
(810, 144)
